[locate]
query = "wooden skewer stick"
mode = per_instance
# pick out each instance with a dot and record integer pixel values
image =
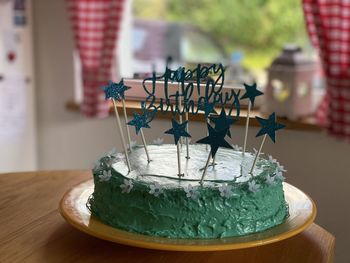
(127, 126)
(205, 168)
(180, 109)
(246, 128)
(186, 139)
(213, 162)
(145, 145)
(257, 154)
(180, 174)
(121, 134)
(206, 146)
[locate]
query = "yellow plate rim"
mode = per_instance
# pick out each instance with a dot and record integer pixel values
(71, 214)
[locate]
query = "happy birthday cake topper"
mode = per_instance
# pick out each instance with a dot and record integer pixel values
(199, 91)
(191, 83)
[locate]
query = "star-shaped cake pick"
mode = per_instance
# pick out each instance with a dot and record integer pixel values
(115, 90)
(178, 130)
(269, 126)
(139, 121)
(207, 107)
(215, 139)
(179, 76)
(223, 122)
(110, 90)
(251, 92)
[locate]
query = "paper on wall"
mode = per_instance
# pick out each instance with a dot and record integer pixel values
(12, 107)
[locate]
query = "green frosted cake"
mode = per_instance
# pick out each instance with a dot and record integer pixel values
(152, 200)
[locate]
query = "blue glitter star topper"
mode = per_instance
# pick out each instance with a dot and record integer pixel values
(115, 90)
(178, 130)
(223, 122)
(269, 126)
(251, 93)
(139, 121)
(215, 139)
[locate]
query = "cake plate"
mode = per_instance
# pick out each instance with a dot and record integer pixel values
(73, 208)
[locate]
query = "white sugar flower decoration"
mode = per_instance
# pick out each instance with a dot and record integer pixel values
(281, 167)
(158, 141)
(236, 147)
(126, 186)
(98, 163)
(270, 180)
(272, 160)
(156, 189)
(111, 161)
(132, 145)
(112, 153)
(280, 176)
(253, 186)
(105, 176)
(191, 191)
(226, 190)
(256, 152)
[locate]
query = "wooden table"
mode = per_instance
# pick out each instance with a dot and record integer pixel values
(32, 230)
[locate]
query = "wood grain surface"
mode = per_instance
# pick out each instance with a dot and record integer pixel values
(32, 230)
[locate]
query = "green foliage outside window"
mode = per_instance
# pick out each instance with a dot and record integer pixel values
(258, 27)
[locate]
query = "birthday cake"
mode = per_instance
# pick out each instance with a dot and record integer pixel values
(209, 189)
(152, 200)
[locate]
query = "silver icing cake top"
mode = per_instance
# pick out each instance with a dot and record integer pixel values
(230, 166)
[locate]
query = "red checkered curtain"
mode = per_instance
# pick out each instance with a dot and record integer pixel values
(96, 25)
(328, 24)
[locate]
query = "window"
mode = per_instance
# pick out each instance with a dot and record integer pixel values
(197, 46)
(243, 35)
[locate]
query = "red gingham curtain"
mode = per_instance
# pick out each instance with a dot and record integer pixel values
(328, 24)
(95, 25)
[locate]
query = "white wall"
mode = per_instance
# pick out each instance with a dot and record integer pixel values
(317, 164)
(18, 148)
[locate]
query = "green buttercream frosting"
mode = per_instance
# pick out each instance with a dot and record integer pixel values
(231, 202)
